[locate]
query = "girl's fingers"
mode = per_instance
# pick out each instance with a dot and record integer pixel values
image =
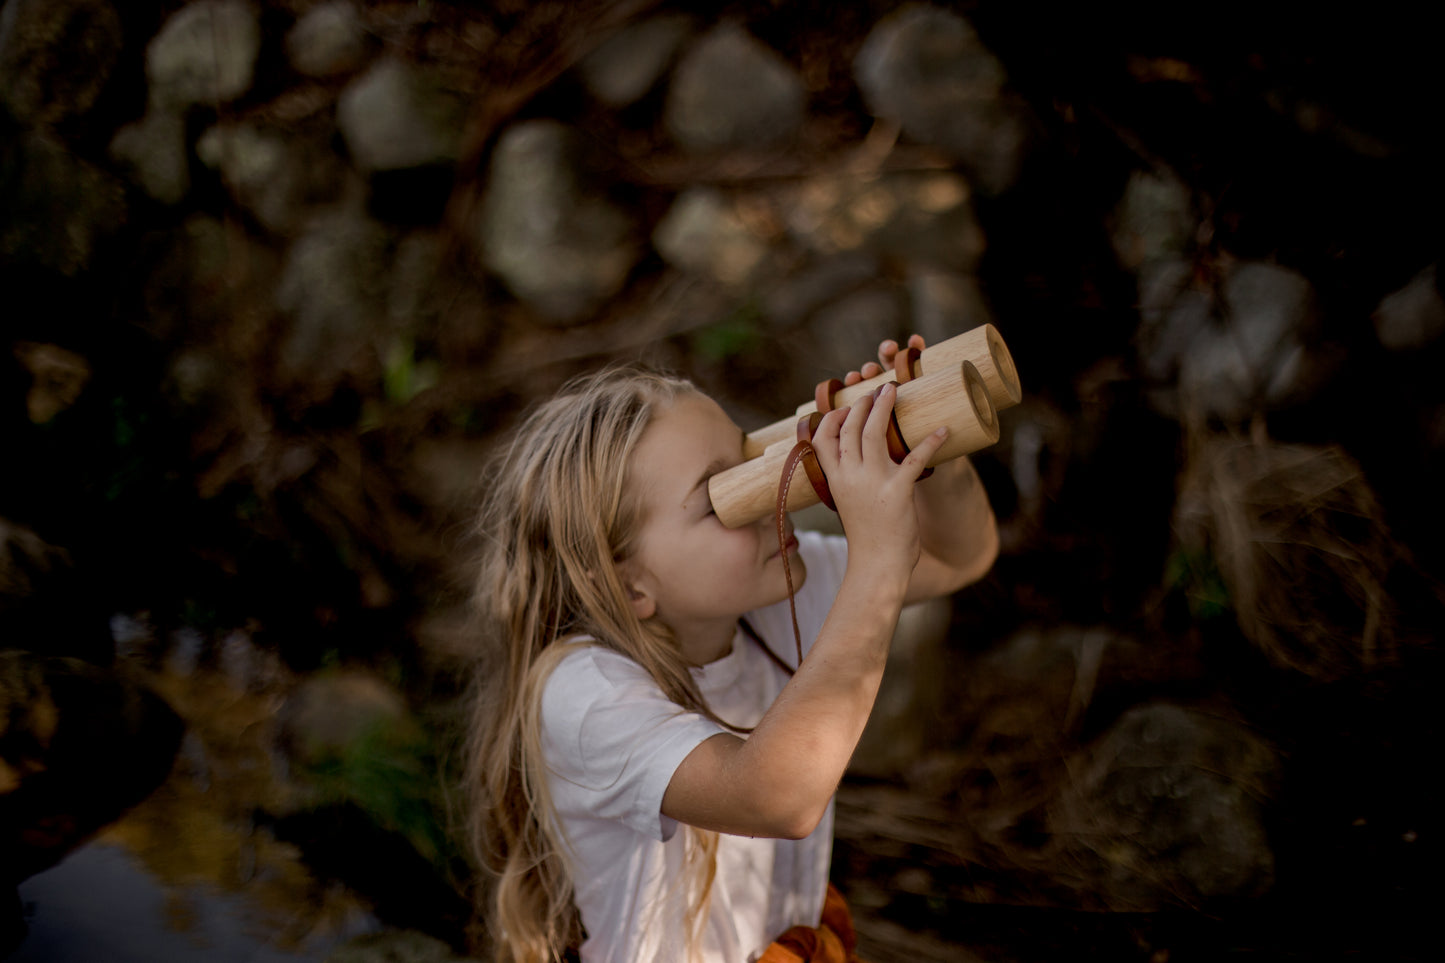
(886, 352)
(922, 453)
(869, 370)
(850, 434)
(880, 415)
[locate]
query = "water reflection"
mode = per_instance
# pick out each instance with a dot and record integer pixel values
(100, 903)
(193, 872)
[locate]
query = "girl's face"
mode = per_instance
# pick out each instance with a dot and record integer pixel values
(689, 570)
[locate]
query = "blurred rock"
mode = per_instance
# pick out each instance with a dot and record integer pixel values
(56, 57)
(943, 304)
(55, 207)
(154, 150)
(31, 571)
(328, 714)
(1413, 316)
(273, 175)
(629, 63)
(57, 378)
(333, 289)
(1153, 220)
(703, 234)
(730, 90)
(211, 280)
(327, 40)
(558, 242)
(396, 116)
(78, 746)
(902, 724)
(924, 219)
(927, 69)
(205, 53)
(1168, 810)
(819, 282)
(1233, 349)
(847, 331)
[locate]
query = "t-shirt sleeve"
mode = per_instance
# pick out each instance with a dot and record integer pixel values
(612, 741)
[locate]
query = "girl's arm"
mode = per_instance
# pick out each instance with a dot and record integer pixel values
(959, 536)
(779, 780)
(959, 533)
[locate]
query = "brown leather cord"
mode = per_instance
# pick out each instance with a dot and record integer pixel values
(823, 393)
(803, 453)
(752, 633)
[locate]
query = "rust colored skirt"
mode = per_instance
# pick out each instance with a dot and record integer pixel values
(831, 941)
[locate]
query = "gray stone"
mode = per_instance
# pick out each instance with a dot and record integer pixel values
(561, 246)
(630, 62)
(194, 290)
(927, 70)
(204, 54)
(57, 378)
(273, 175)
(1413, 316)
(154, 150)
(329, 713)
(944, 304)
(1229, 351)
(79, 745)
(327, 40)
(900, 726)
(1153, 220)
(846, 332)
(924, 219)
(819, 282)
(26, 562)
(730, 90)
(333, 289)
(56, 56)
(703, 235)
(395, 117)
(1168, 810)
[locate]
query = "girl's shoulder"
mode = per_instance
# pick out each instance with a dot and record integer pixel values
(587, 671)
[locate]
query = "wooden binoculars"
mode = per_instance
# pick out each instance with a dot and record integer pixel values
(960, 384)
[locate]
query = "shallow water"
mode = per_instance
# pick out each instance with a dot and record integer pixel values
(101, 904)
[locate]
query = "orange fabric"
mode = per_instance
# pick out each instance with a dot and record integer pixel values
(831, 941)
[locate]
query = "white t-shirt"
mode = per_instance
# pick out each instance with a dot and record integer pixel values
(612, 741)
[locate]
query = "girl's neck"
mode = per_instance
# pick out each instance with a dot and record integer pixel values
(704, 643)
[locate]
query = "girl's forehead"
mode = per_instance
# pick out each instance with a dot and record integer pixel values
(688, 439)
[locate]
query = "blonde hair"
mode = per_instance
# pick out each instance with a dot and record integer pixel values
(557, 515)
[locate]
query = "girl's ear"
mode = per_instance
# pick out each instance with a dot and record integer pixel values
(644, 606)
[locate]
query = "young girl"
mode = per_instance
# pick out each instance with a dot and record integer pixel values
(654, 770)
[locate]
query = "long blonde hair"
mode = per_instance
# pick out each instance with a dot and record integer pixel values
(556, 517)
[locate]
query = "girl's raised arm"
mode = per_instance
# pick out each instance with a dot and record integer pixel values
(779, 780)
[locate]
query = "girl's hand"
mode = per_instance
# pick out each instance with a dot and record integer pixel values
(874, 495)
(887, 351)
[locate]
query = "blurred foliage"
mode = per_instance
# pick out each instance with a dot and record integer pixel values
(390, 773)
(1196, 576)
(740, 333)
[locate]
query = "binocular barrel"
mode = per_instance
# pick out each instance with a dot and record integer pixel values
(958, 384)
(982, 345)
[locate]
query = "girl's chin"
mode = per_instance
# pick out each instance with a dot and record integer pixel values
(797, 568)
